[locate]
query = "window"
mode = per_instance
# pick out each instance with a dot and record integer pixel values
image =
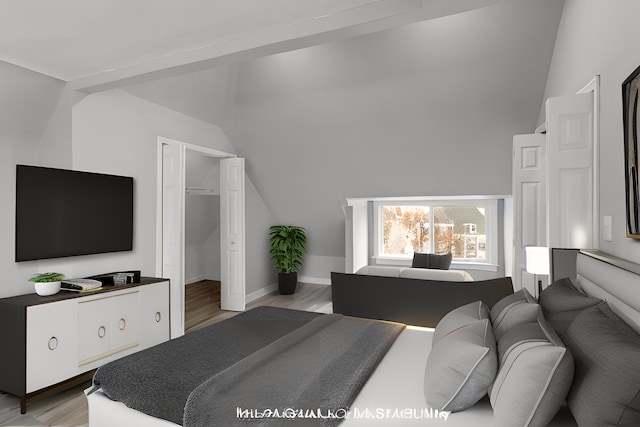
(466, 228)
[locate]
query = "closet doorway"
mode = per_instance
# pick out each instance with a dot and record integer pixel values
(202, 217)
(202, 258)
(178, 201)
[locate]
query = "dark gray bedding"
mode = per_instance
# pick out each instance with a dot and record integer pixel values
(317, 370)
(158, 381)
(266, 358)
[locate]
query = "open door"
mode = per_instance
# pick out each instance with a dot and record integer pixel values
(171, 226)
(173, 231)
(571, 172)
(232, 216)
(530, 202)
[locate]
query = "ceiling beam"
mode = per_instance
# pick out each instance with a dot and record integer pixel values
(369, 18)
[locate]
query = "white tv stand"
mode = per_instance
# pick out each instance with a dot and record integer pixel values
(51, 341)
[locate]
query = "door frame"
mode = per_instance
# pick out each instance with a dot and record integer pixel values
(177, 315)
(594, 86)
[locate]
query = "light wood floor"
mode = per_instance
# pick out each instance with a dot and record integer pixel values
(202, 308)
(202, 302)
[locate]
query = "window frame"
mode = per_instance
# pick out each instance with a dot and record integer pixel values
(491, 215)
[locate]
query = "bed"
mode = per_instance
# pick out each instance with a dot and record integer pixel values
(394, 394)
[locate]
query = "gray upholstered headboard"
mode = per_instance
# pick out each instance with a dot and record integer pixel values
(613, 279)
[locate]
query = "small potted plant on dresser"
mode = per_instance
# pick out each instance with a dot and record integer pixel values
(288, 244)
(47, 283)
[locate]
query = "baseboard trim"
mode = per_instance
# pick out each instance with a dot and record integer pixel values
(252, 296)
(199, 279)
(195, 279)
(314, 280)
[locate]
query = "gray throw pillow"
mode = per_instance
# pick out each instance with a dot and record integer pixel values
(534, 377)
(514, 337)
(434, 261)
(513, 310)
(459, 317)
(420, 260)
(460, 368)
(561, 302)
(606, 388)
(504, 302)
(440, 261)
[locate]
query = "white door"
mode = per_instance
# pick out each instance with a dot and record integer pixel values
(529, 199)
(173, 231)
(232, 215)
(570, 145)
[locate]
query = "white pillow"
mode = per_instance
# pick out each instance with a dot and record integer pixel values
(434, 274)
(461, 367)
(515, 309)
(534, 377)
(458, 317)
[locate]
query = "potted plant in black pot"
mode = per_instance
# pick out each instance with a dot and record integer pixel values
(288, 244)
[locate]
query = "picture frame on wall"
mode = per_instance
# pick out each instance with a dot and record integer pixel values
(631, 131)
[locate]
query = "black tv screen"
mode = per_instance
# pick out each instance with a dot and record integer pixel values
(61, 213)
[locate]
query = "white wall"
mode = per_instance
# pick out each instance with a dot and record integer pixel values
(43, 122)
(206, 95)
(260, 272)
(601, 37)
(317, 269)
(428, 109)
(28, 102)
(202, 237)
(112, 132)
(56, 143)
(115, 132)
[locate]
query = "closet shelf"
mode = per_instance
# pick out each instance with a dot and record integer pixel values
(199, 190)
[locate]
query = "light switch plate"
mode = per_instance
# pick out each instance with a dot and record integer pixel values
(607, 228)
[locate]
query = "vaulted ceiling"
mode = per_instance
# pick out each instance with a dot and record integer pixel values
(97, 43)
(426, 109)
(326, 99)
(70, 39)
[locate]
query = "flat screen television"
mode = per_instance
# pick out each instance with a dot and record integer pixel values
(62, 213)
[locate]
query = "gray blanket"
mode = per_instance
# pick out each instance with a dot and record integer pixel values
(158, 381)
(312, 375)
(291, 360)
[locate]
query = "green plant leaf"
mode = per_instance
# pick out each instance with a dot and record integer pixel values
(287, 245)
(46, 277)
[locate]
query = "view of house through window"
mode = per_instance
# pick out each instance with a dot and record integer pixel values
(460, 230)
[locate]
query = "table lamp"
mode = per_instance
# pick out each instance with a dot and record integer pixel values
(537, 262)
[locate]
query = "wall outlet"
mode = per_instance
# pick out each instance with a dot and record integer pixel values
(607, 229)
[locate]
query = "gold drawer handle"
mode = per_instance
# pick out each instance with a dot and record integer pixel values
(102, 331)
(53, 343)
(158, 317)
(122, 324)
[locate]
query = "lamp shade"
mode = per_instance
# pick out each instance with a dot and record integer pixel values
(537, 259)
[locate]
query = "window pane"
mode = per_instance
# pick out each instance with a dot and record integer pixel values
(405, 229)
(461, 230)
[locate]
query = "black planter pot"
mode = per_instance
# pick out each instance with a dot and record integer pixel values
(287, 283)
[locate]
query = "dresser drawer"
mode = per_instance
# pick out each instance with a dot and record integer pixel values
(47, 340)
(107, 326)
(51, 344)
(154, 312)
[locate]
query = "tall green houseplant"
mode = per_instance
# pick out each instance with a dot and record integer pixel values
(287, 246)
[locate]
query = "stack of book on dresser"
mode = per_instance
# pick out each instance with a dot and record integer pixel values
(79, 285)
